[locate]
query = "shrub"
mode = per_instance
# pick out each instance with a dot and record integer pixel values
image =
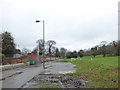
(2, 57)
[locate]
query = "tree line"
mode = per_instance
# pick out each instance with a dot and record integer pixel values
(104, 48)
(8, 48)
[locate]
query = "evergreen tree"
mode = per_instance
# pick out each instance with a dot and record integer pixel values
(57, 52)
(8, 46)
(80, 53)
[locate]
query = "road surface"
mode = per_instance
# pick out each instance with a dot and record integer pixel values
(17, 78)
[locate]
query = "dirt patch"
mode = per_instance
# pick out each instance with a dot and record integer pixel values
(62, 81)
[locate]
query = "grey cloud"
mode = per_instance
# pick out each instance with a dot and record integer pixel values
(71, 24)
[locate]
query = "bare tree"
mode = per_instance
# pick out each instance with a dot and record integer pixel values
(40, 46)
(50, 44)
(25, 51)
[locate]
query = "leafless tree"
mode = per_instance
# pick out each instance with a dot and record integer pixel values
(25, 51)
(40, 46)
(50, 44)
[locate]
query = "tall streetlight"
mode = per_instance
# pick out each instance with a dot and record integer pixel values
(43, 40)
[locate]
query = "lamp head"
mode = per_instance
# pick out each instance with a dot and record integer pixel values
(37, 21)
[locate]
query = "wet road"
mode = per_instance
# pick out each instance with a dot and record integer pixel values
(13, 80)
(59, 68)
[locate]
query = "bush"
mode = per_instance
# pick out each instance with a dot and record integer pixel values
(2, 57)
(71, 55)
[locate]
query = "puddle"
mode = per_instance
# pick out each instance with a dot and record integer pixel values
(65, 72)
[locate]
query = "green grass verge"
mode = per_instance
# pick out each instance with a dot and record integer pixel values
(102, 71)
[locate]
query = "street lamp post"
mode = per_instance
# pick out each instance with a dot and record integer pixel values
(43, 40)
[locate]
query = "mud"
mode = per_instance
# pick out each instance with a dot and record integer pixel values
(63, 81)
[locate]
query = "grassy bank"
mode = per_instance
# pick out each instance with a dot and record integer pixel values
(102, 71)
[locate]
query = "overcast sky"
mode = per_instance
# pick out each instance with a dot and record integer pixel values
(73, 24)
